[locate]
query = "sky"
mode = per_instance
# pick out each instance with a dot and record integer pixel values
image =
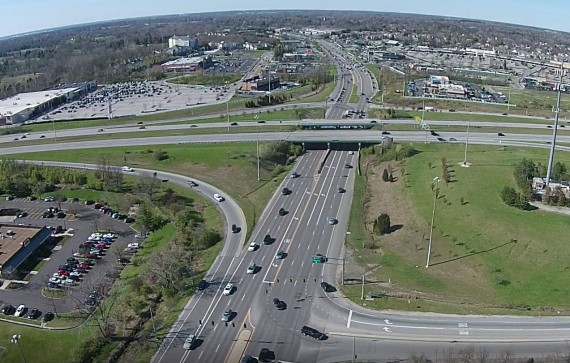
(19, 16)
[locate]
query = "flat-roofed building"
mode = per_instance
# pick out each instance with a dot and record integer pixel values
(17, 244)
(24, 106)
(186, 64)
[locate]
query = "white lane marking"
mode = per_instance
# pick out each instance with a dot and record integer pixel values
(349, 318)
(263, 258)
(200, 356)
(302, 263)
(464, 332)
(462, 325)
(295, 284)
(243, 297)
(218, 347)
(401, 326)
(215, 326)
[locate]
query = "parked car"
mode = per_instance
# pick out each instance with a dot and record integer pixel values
(48, 317)
(34, 314)
(7, 310)
(49, 199)
(20, 310)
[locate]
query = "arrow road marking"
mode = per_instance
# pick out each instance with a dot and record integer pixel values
(387, 330)
(387, 321)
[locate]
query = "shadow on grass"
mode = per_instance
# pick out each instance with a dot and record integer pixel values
(474, 253)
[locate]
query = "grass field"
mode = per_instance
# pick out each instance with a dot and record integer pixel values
(210, 80)
(354, 98)
(209, 162)
(486, 256)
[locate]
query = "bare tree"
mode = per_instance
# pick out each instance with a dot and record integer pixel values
(110, 175)
(169, 266)
(118, 249)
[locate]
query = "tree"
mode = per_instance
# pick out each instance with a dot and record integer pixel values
(525, 170)
(110, 175)
(385, 176)
(382, 224)
(559, 171)
(509, 196)
(169, 266)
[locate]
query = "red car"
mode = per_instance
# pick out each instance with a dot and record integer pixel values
(100, 245)
(83, 266)
(63, 272)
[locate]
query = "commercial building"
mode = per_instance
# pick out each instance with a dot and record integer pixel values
(185, 65)
(17, 244)
(257, 84)
(183, 41)
(24, 106)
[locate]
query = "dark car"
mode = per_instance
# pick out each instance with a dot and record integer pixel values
(385, 133)
(282, 211)
(279, 304)
(500, 134)
(313, 333)
(48, 316)
(328, 287)
(192, 183)
(267, 239)
(142, 127)
(248, 359)
(341, 190)
(34, 314)
(8, 310)
(347, 166)
(285, 191)
(234, 124)
(266, 355)
(202, 285)
(433, 133)
(42, 136)
(235, 228)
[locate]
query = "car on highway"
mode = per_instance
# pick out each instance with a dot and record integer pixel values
(341, 190)
(227, 315)
(279, 304)
(235, 228)
(189, 342)
(42, 136)
(267, 239)
(285, 191)
(500, 134)
(347, 166)
(234, 124)
(452, 139)
(252, 247)
(218, 197)
(280, 255)
(312, 332)
(327, 287)
(385, 133)
(228, 289)
(282, 211)
(20, 310)
(202, 285)
(100, 130)
(295, 175)
(127, 169)
(333, 221)
(251, 268)
(192, 183)
(266, 355)
(351, 152)
(248, 359)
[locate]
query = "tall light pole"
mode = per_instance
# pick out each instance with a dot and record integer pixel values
(436, 179)
(16, 340)
(466, 143)
(553, 143)
(257, 146)
(228, 111)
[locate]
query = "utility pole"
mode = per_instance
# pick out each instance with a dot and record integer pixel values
(228, 111)
(553, 143)
(362, 293)
(343, 267)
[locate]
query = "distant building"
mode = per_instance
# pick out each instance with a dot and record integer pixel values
(257, 84)
(24, 106)
(18, 244)
(183, 41)
(539, 186)
(185, 65)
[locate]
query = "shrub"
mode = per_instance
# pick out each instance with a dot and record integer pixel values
(160, 155)
(382, 224)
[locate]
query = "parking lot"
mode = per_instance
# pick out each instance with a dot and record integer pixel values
(103, 264)
(136, 98)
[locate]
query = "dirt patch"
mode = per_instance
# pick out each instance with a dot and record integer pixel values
(395, 262)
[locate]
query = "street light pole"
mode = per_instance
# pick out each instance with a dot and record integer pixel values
(555, 129)
(257, 147)
(16, 340)
(436, 179)
(228, 111)
(466, 143)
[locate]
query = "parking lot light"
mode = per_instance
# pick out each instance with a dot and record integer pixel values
(436, 179)
(16, 340)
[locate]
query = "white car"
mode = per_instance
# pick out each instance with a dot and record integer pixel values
(228, 289)
(251, 268)
(20, 310)
(69, 281)
(133, 245)
(252, 247)
(128, 169)
(49, 199)
(351, 153)
(55, 280)
(189, 342)
(218, 197)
